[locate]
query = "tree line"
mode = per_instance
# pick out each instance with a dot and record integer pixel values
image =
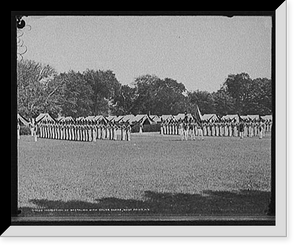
(40, 89)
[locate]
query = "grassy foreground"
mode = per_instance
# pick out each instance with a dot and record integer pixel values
(151, 174)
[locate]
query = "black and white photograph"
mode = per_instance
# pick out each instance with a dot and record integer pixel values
(145, 119)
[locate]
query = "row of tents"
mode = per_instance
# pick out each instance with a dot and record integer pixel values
(142, 118)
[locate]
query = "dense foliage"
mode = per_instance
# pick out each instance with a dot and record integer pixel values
(41, 89)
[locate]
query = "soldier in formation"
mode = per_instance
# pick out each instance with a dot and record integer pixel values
(83, 130)
(192, 129)
(18, 129)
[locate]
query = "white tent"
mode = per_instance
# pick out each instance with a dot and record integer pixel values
(155, 118)
(99, 118)
(267, 117)
(119, 118)
(22, 120)
(230, 117)
(210, 117)
(90, 118)
(111, 118)
(69, 118)
(144, 119)
(81, 118)
(128, 118)
(65, 119)
(139, 117)
(252, 117)
(167, 117)
(181, 116)
(44, 117)
(244, 117)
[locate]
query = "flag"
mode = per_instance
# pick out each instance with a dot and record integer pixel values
(199, 113)
(239, 118)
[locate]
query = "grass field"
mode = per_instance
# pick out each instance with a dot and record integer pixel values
(150, 174)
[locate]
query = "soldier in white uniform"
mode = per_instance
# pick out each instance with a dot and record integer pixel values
(18, 130)
(98, 130)
(185, 126)
(63, 131)
(255, 127)
(181, 133)
(260, 129)
(213, 128)
(217, 128)
(161, 128)
(67, 130)
(173, 127)
(112, 128)
(167, 127)
(241, 129)
(90, 128)
(109, 131)
(200, 130)
(103, 130)
(35, 132)
(72, 131)
(106, 131)
(185, 130)
(80, 131)
(79, 135)
(128, 132)
(83, 131)
(87, 131)
(226, 128)
(229, 128)
(246, 128)
(117, 132)
(123, 131)
(41, 127)
(94, 131)
(209, 128)
(204, 129)
(58, 130)
(176, 128)
(49, 130)
(54, 130)
(140, 128)
(191, 129)
(75, 128)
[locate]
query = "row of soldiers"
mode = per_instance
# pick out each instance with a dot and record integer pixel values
(82, 130)
(190, 128)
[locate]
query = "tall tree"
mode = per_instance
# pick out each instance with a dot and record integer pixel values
(204, 100)
(144, 91)
(124, 100)
(158, 96)
(223, 102)
(105, 87)
(238, 86)
(76, 95)
(261, 101)
(32, 87)
(249, 96)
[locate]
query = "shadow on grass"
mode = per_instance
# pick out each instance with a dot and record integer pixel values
(243, 202)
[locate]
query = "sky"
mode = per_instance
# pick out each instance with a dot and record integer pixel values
(198, 51)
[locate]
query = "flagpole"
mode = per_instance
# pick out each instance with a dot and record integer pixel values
(199, 113)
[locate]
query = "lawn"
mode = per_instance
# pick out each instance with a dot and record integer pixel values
(151, 173)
